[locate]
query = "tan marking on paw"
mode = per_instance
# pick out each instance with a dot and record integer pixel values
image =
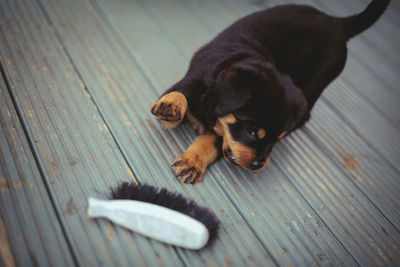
(191, 165)
(170, 109)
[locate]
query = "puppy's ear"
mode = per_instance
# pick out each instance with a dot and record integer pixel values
(296, 103)
(232, 93)
(231, 101)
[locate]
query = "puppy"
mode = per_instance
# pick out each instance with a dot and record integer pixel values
(256, 82)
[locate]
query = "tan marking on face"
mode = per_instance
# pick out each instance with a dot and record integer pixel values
(261, 133)
(282, 134)
(244, 155)
(222, 122)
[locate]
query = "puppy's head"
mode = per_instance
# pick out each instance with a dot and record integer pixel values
(256, 107)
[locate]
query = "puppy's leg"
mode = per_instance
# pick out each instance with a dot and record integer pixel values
(190, 166)
(170, 108)
(173, 104)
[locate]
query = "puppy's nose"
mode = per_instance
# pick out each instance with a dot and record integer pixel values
(256, 164)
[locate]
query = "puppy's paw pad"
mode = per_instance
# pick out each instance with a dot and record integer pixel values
(189, 168)
(171, 107)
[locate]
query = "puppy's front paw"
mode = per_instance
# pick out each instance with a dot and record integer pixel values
(170, 108)
(189, 168)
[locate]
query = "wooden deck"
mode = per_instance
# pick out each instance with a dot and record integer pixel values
(77, 80)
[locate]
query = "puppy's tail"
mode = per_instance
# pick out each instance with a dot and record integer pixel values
(358, 23)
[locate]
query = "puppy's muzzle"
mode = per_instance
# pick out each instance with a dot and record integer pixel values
(256, 164)
(260, 162)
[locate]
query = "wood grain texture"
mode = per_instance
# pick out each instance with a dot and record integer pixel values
(30, 229)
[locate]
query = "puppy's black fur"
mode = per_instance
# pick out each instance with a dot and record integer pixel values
(268, 69)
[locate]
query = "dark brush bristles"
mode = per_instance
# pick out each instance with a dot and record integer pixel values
(165, 198)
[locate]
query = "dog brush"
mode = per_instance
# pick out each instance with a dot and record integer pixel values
(159, 214)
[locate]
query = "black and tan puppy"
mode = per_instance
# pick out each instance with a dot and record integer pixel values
(256, 82)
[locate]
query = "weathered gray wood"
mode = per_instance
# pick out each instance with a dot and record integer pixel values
(27, 216)
(148, 42)
(175, 33)
(73, 145)
(374, 176)
(320, 201)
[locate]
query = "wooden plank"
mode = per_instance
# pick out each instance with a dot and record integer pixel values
(114, 83)
(27, 215)
(371, 86)
(340, 198)
(135, 15)
(73, 145)
(370, 172)
(364, 119)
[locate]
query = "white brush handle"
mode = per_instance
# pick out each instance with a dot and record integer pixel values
(153, 221)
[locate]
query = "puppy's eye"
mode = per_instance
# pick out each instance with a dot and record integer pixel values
(252, 132)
